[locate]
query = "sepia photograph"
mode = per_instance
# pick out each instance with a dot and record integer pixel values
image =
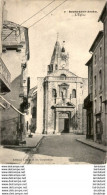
(53, 82)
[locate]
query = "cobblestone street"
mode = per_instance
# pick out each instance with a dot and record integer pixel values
(65, 149)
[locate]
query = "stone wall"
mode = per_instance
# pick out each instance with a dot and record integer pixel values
(11, 119)
(9, 131)
(97, 91)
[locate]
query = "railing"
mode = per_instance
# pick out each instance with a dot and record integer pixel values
(5, 75)
(14, 38)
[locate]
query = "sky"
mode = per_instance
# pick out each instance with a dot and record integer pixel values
(78, 32)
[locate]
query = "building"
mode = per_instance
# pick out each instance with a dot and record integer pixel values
(88, 102)
(96, 102)
(5, 76)
(15, 48)
(103, 19)
(59, 97)
(97, 49)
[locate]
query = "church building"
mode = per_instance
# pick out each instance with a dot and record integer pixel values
(59, 98)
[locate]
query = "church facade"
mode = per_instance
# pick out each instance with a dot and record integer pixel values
(59, 97)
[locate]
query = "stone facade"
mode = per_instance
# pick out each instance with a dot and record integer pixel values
(98, 67)
(5, 75)
(103, 19)
(12, 122)
(15, 48)
(88, 102)
(98, 53)
(60, 97)
(95, 112)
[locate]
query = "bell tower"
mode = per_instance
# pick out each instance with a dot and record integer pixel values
(59, 59)
(64, 63)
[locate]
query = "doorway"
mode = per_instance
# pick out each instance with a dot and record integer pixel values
(64, 125)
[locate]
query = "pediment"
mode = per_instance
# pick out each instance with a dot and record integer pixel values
(65, 72)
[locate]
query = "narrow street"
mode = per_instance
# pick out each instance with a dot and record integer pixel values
(64, 149)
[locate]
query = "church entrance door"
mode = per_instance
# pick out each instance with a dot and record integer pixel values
(64, 123)
(66, 126)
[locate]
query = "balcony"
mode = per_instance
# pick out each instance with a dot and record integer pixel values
(5, 78)
(88, 101)
(10, 36)
(15, 37)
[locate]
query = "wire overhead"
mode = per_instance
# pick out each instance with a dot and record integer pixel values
(47, 14)
(37, 12)
(30, 18)
(40, 18)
